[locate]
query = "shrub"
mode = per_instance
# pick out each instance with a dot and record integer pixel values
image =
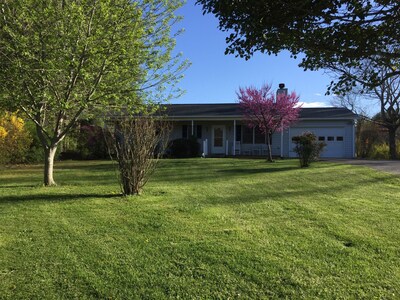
(91, 142)
(182, 148)
(136, 144)
(15, 139)
(86, 141)
(381, 151)
(307, 148)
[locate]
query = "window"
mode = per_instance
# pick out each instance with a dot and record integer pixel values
(259, 137)
(247, 135)
(238, 133)
(184, 131)
(321, 138)
(339, 138)
(331, 138)
(198, 131)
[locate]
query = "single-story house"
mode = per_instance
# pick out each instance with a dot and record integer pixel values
(221, 130)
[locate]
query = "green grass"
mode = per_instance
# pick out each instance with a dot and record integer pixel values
(203, 229)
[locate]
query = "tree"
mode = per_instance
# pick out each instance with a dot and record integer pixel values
(387, 94)
(136, 143)
(261, 108)
(352, 100)
(62, 59)
(345, 31)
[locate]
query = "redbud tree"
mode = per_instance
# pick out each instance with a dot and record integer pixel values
(269, 112)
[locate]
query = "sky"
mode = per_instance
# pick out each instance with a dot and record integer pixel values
(214, 77)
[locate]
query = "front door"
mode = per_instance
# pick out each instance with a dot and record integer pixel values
(218, 139)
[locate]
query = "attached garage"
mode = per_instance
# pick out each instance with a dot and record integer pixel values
(333, 137)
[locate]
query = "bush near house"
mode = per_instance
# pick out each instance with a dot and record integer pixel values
(184, 148)
(91, 142)
(86, 142)
(381, 151)
(307, 148)
(371, 139)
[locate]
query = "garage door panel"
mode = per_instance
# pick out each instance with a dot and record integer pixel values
(333, 137)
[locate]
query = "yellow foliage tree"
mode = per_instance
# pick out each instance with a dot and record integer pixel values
(14, 138)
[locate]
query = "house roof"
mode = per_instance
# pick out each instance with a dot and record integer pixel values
(232, 110)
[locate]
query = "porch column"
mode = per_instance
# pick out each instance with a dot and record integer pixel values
(281, 143)
(234, 138)
(354, 141)
(289, 142)
(192, 128)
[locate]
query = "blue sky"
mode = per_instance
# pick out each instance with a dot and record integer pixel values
(215, 77)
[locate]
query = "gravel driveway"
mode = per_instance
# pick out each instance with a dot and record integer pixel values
(390, 166)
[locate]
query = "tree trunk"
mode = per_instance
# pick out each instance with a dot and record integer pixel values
(49, 154)
(269, 157)
(392, 143)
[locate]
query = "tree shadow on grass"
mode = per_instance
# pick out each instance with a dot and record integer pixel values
(92, 165)
(18, 186)
(54, 197)
(248, 171)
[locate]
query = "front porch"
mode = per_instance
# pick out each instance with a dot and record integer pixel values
(227, 138)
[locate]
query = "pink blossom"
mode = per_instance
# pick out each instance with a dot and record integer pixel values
(261, 108)
(271, 114)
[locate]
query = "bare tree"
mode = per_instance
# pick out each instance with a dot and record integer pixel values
(136, 143)
(351, 100)
(388, 94)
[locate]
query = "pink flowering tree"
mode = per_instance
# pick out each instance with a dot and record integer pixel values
(271, 114)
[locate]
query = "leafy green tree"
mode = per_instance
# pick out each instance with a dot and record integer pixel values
(344, 31)
(62, 59)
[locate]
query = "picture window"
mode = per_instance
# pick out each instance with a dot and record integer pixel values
(184, 131)
(238, 133)
(247, 135)
(199, 131)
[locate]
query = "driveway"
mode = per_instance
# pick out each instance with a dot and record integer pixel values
(390, 166)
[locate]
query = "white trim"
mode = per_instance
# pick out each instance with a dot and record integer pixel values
(289, 142)
(234, 138)
(354, 141)
(205, 147)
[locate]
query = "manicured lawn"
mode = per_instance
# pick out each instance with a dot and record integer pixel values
(203, 229)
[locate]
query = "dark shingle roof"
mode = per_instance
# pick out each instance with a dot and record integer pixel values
(231, 110)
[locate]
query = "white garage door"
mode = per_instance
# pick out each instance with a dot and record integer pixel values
(333, 137)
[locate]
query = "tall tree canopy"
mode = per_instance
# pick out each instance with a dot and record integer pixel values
(60, 59)
(343, 31)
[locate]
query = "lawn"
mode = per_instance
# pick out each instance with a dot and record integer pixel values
(203, 229)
